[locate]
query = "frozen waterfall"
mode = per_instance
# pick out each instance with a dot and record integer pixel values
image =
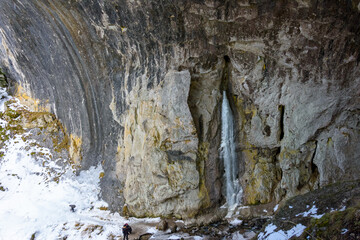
(228, 154)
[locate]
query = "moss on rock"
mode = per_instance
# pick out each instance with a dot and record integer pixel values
(332, 212)
(335, 225)
(42, 126)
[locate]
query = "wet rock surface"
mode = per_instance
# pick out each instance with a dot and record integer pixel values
(113, 72)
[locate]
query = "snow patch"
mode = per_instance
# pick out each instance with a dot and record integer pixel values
(342, 209)
(33, 203)
(152, 230)
(236, 222)
(276, 207)
(174, 237)
(245, 236)
(3, 98)
(311, 213)
(271, 234)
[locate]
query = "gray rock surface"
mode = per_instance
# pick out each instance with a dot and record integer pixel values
(138, 87)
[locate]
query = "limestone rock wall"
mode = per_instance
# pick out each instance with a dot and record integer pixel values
(138, 85)
(159, 152)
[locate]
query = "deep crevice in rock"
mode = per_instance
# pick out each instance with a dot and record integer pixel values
(281, 124)
(314, 169)
(225, 76)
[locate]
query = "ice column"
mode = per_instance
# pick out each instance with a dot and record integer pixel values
(228, 154)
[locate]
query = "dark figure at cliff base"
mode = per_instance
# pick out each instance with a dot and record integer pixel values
(126, 229)
(72, 207)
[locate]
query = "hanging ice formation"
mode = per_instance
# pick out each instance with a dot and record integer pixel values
(228, 154)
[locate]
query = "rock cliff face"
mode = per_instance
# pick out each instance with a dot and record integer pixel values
(138, 85)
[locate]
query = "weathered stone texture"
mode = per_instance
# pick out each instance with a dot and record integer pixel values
(160, 146)
(139, 85)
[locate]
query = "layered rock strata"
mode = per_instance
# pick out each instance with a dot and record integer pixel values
(138, 84)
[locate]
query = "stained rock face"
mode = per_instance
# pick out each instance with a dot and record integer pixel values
(159, 153)
(138, 85)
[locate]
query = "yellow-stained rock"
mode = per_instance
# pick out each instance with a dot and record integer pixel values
(75, 149)
(34, 104)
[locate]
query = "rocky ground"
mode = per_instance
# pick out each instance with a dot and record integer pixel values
(329, 213)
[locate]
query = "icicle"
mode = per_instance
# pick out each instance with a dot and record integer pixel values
(233, 188)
